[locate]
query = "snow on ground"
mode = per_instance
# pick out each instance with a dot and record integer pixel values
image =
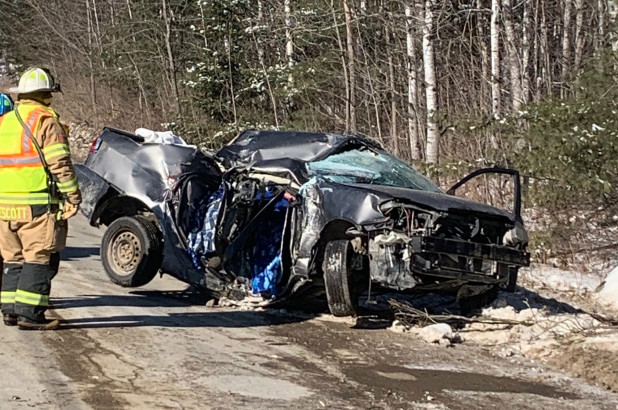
(543, 276)
(608, 292)
(556, 317)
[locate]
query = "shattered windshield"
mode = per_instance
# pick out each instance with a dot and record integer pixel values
(370, 167)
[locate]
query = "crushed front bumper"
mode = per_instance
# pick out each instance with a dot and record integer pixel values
(426, 259)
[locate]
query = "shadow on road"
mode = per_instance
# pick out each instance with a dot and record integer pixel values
(213, 318)
(73, 252)
(142, 298)
(177, 298)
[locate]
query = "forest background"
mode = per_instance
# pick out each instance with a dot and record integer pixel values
(449, 85)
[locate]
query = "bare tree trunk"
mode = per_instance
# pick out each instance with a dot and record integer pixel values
(344, 67)
(112, 13)
(129, 10)
(613, 12)
(170, 55)
(430, 84)
(351, 89)
(525, 47)
(546, 71)
(91, 41)
(484, 54)
(514, 63)
(392, 89)
(228, 50)
(372, 92)
(289, 41)
(496, 88)
(142, 99)
(204, 27)
(415, 150)
(579, 37)
(566, 46)
(600, 35)
(260, 53)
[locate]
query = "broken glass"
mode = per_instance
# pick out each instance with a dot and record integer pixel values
(370, 167)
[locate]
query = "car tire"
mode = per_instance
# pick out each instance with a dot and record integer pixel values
(342, 291)
(132, 251)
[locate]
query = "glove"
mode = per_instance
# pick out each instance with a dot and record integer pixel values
(69, 210)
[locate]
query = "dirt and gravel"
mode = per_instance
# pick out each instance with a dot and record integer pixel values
(161, 347)
(565, 326)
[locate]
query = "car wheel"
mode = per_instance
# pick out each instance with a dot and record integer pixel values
(131, 251)
(342, 281)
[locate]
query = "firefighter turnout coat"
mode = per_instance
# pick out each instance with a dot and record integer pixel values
(24, 185)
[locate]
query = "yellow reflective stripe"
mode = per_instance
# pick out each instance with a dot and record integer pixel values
(7, 297)
(26, 199)
(30, 298)
(68, 186)
(56, 150)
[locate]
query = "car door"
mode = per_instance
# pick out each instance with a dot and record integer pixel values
(498, 187)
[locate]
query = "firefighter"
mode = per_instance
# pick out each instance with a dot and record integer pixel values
(38, 193)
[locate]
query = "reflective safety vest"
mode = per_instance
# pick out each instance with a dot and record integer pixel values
(23, 180)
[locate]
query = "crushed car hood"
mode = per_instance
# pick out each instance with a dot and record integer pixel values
(432, 200)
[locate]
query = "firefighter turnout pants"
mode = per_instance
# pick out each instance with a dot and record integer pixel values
(27, 248)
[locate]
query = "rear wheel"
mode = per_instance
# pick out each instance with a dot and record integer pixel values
(344, 277)
(132, 251)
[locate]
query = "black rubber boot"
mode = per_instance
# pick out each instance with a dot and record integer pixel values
(32, 295)
(10, 279)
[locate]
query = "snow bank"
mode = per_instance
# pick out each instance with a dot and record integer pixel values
(609, 291)
(560, 280)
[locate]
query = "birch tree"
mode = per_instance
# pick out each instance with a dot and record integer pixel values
(525, 47)
(480, 31)
(430, 84)
(579, 33)
(289, 41)
(613, 12)
(413, 128)
(514, 62)
(351, 89)
(566, 45)
(496, 88)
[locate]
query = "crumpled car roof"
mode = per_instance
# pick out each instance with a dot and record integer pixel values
(252, 147)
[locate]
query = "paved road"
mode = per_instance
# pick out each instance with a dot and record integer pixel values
(160, 347)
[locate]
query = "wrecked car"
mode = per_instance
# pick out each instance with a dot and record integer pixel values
(277, 213)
